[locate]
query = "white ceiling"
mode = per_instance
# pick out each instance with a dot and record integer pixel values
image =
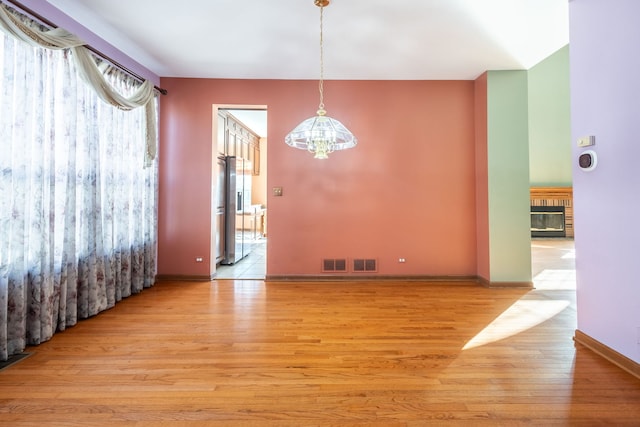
(363, 39)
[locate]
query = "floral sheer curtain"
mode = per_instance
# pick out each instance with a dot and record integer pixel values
(78, 211)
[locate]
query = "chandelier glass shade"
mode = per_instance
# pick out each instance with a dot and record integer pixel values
(321, 134)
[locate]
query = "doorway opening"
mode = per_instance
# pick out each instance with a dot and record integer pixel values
(552, 246)
(240, 197)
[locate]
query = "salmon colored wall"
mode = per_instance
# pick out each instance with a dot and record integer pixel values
(482, 185)
(406, 191)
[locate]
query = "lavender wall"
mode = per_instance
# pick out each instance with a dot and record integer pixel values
(60, 19)
(605, 102)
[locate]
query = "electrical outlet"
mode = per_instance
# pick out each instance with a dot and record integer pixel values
(198, 259)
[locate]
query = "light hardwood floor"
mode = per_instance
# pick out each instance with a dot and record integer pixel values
(245, 353)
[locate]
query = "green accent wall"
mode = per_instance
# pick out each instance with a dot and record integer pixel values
(550, 122)
(508, 177)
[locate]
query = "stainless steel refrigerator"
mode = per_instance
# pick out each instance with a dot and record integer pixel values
(221, 208)
(238, 239)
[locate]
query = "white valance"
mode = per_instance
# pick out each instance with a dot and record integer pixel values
(89, 70)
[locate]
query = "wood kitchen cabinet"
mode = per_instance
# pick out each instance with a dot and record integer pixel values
(255, 147)
(222, 135)
(239, 140)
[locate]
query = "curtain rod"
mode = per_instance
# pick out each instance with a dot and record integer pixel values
(91, 48)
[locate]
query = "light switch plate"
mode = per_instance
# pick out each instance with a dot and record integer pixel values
(587, 141)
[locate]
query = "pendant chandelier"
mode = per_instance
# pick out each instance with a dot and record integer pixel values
(321, 134)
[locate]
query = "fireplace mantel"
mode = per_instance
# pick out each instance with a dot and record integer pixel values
(556, 196)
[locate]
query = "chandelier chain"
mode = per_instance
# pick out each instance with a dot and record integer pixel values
(321, 135)
(320, 82)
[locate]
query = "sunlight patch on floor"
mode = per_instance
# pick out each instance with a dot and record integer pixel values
(555, 280)
(521, 316)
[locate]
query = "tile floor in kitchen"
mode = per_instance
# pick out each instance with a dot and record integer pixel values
(253, 266)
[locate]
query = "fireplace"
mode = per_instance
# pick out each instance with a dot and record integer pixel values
(548, 221)
(552, 212)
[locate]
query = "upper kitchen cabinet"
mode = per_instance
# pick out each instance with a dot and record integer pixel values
(239, 140)
(256, 156)
(221, 142)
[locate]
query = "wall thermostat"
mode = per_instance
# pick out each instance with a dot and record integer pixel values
(587, 160)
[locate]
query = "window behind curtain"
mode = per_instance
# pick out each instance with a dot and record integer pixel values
(78, 211)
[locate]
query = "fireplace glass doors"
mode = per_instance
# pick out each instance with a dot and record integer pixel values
(547, 221)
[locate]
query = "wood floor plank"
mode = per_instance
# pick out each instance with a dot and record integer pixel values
(243, 353)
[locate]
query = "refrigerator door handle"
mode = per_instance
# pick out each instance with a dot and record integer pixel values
(239, 202)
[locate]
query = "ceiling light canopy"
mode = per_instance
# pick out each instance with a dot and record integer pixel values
(321, 134)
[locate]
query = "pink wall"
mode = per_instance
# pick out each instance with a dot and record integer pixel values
(482, 184)
(406, 191)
